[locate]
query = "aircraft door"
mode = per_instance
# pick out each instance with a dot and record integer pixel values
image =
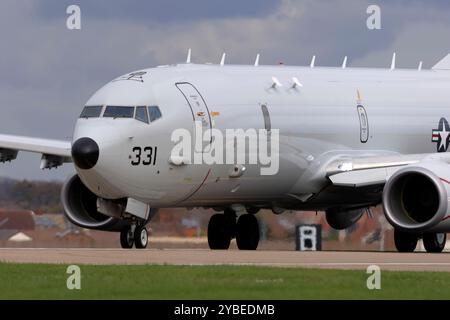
(197, 174)
(199, 109)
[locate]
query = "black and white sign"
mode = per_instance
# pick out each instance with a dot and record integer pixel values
(309, 237)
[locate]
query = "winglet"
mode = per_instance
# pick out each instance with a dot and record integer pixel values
(444, 64)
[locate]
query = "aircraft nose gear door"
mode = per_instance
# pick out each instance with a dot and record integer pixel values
(200, 112)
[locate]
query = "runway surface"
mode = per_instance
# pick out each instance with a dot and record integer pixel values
(334, 260)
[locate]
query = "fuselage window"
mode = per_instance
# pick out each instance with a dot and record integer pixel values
(118, 112)
(154, 113)
(91, 112)
(266, 115)
(141, 114)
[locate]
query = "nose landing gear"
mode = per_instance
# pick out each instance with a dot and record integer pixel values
(222, 228)
(141, 237)
(126, 238)
(134, 235)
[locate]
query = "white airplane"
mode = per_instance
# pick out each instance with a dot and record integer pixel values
(349, 139)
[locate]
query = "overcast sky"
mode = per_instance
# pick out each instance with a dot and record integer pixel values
(48, 72)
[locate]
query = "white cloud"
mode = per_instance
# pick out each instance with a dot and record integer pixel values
(423, 41)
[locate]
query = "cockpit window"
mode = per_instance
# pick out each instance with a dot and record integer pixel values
(119, 112)
(154, 113)
(141, 114)
(91, 112)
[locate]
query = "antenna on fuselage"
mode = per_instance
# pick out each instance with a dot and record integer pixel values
(313, 62)
(188, 59)
(420, 66)
(344, 63)
(257, 60)
(296, 83)
(276, 83)
(222, 61)
(393, 61)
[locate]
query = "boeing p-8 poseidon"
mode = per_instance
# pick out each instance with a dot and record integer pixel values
(338, 140)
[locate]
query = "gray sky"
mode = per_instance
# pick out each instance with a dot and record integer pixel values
(48, 72)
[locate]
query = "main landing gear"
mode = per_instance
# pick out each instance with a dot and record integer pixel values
(434, 242)
(134, 235)
(407, 242)
(222, 228)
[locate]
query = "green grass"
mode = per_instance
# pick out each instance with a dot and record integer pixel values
(20, 281)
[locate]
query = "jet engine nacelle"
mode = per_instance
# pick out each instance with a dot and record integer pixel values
(80, 206)
(416, 198)
(342, 218)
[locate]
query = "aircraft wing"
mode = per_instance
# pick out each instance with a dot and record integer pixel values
(54, 152)
(371, 171)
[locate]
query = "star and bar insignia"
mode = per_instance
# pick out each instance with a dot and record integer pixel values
(441, 135)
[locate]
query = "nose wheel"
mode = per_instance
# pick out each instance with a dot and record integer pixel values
(126, 238)
(141, 237)
(134, 235)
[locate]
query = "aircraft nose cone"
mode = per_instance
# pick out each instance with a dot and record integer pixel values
(85, 153)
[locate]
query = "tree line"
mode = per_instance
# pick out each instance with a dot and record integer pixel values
(39, 196)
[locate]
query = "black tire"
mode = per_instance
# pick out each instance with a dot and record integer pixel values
(405, 241)
(219, 233)
(434, 242)
(126, 238)
(247, 233)
(141, 237)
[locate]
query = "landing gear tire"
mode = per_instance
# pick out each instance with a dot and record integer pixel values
(405, 241)
(434, 242)
(219, 232)
(126, 238)
(141, 237)
(247, 232)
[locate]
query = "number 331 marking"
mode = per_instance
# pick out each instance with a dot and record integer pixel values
(145, 156)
